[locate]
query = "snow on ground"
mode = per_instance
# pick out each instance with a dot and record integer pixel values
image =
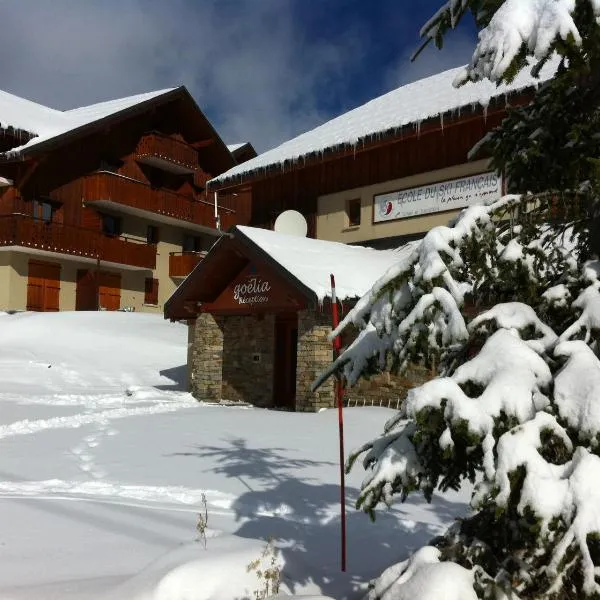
(104, 461)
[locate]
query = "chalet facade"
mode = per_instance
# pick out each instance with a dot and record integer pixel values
(385, 172)
(105, 206)
(380, 175)
(259, 308)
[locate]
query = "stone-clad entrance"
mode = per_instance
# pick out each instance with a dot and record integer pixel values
(259, 335)
(268, 361)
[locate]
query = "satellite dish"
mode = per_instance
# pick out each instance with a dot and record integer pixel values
(291, 222)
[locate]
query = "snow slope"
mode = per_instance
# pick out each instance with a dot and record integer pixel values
(104, 461)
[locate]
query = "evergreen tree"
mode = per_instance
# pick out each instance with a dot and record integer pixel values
(507, 305)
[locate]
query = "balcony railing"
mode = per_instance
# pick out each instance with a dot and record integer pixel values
(107, 186)
(181, 264)
(21, 230)
(167, 153)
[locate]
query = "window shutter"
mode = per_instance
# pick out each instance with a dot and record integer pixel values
(151, 291)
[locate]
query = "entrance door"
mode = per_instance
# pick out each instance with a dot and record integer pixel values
(98, 288)
(86, 296)
(286, 353)
(43, 286)
(110, 290)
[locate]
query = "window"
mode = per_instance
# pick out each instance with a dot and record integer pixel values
(43, 211)
(151, 291)
(111, 225)
(152, 236)
(192, 243)
(353, 212)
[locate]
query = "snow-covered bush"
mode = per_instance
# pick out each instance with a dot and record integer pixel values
(505, 305)
(515, 407)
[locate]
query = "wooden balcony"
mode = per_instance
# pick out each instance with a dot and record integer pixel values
(21, 230)
(113, 190)
(181, 264)
(166, 153)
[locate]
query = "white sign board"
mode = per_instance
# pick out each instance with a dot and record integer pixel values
(437, 197)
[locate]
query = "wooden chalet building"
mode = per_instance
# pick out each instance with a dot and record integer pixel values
(387, 171)
(380, 175)
(105, 206)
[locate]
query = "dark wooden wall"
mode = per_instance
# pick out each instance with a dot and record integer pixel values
(434, 147)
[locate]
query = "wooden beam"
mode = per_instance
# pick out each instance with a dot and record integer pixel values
(203, 143)
(29, 172)
(191, 306)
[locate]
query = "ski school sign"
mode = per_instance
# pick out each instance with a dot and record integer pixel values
(437, 197)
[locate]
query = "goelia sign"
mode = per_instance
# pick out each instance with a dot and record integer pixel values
(437, 197)
(253, 290)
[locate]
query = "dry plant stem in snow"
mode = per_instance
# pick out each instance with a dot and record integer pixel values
(202, 523)
(268, 572)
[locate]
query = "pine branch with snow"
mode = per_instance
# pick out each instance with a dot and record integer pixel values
(515, 409)
(506, 306)
(513, 31)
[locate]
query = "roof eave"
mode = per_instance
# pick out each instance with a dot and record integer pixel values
(125, 113)
(170, 306)
(276, 168)
(254, 251)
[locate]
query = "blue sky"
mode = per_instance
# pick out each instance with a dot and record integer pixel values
(261, 70)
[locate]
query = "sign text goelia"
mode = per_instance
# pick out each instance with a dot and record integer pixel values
(253, 291)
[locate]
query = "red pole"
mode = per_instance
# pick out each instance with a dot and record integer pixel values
(339, 394)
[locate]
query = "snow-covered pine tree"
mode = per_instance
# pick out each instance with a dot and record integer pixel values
(506, 304)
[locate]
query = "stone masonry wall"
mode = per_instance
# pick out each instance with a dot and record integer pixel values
(244, 372)
(205, 357)
(248, 361)
(315, 353)
(383, 389)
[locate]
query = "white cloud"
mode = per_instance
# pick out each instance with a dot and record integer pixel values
(255, 72)
(247, 65)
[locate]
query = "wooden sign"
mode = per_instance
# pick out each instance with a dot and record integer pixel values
(255, 290)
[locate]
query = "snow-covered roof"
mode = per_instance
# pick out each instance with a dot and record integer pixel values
(23, 114)
(46, 123)
(233, 147)
(406, 105)
(311, 261)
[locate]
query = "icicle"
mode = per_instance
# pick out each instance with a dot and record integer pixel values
(419, 128)
(442, 121)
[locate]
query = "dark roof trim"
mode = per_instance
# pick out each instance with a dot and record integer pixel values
(196, 272)
(243, 148)
(254, 253)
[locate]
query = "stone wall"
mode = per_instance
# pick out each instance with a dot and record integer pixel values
(244, 372)
(205, 357)
(315, 354)
(382, 389)
(385, 389)
(248, 361)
